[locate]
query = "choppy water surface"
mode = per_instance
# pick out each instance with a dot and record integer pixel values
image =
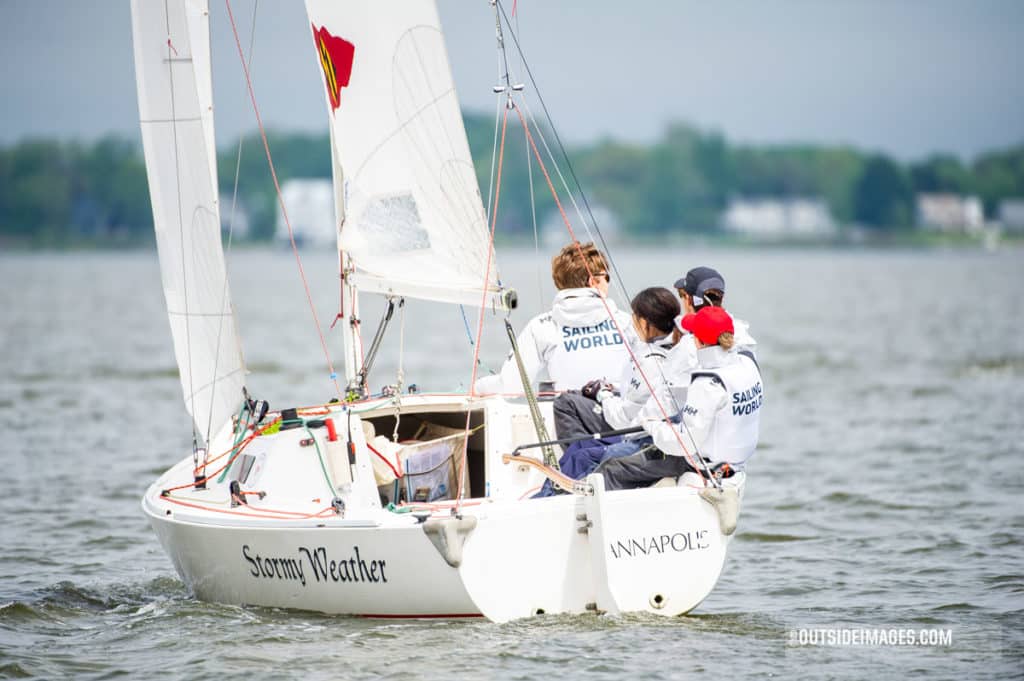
(886, 493)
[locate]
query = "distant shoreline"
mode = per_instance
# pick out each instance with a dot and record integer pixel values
(898, 241)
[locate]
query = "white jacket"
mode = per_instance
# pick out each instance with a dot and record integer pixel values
(722, 411)
(622, 411)
(681, 363)
(573, 343)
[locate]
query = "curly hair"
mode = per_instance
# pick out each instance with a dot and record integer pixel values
(569, 270)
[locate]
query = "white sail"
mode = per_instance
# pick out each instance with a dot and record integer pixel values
(411, 221)
(172, 70)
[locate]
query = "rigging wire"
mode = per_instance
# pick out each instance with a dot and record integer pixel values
(483, 304)
(231, 232)
(533, 199)
(561, 147)
(280, 200)
(693, 460)
(611, 262)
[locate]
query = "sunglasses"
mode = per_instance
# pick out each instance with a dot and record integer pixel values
(607, 277)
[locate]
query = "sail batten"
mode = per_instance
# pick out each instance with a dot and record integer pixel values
(414, 222)
(172, 64)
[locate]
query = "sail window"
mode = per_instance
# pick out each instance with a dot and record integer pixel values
(392, 223)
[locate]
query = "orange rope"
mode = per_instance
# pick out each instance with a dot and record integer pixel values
(235, 449)
(280, 199)
(483, 307)
(579, 248)
(322, 513)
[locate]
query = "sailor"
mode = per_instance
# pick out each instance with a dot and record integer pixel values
(720, 420)
(597, 407)
(699, 288)
(581, 336)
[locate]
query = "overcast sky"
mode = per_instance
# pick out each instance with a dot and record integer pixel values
(908, 77)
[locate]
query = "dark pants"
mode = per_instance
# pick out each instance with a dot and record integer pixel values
(642, 469)
(575, 416)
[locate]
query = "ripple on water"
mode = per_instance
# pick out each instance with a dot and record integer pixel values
(18, 612)
(1000, 540)
(1008, 364)
(855, 500)
(929, 391)
(769, 538)
(13, 670)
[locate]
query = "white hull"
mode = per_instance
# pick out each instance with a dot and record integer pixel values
(658, 550)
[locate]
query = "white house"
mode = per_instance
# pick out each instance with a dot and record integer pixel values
(779, 217)
(310, 206)
(950, 213)
(1011, 214)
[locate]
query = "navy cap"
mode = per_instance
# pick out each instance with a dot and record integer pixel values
(701, 279)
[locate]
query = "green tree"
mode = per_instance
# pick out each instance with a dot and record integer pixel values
(999, 175)
(37, 191)
(883, 195)
(941, 173)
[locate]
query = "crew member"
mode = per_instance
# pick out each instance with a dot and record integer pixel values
(578, 338)
(597, 408)
(701, 287)
(720, 419)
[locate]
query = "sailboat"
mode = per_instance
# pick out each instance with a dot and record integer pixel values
(402, 504)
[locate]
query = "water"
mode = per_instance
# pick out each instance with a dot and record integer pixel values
(885, 494)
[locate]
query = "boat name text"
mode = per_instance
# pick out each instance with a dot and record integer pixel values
(323, 569)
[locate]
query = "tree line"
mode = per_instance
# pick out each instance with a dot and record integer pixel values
(68, 193)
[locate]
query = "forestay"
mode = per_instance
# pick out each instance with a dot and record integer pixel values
(172, 69)
(412, 222)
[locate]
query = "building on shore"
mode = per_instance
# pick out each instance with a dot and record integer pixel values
(779, 218)
(310, 206)
(950, 213)
(1011, 215)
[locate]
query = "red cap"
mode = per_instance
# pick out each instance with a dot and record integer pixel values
(708, 324)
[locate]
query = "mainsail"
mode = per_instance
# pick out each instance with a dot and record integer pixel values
(411, 221)
(172, 70)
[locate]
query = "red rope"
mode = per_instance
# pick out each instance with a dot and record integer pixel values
(384, 459)
(579, 248)
(289, 515)
(280, 198)
(483, 305)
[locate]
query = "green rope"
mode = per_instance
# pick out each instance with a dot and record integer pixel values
(323, 466)
(239, 433)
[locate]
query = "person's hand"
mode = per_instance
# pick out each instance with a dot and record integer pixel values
(591, 389)
(603, 394)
